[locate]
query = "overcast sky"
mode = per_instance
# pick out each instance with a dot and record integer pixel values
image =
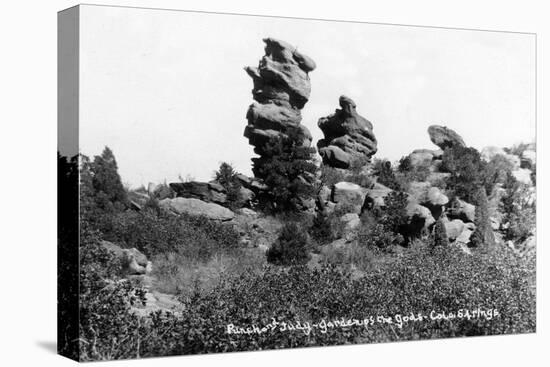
(166, 90)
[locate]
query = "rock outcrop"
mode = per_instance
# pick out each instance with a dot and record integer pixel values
(196, 207)
(281, 89)
(347, 136)
(459, 209)
(206, 191)
(132, 261)
(350, 195)
(444, 137)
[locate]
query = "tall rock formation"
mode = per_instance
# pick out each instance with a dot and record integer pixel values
(281, 89)
(348, 136)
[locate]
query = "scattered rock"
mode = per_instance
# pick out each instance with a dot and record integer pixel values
(420, 217)
(133, 261)
(347, 136)
(248, 212)
(196, 207)
(246, 195)
(529, 156)
(435, 197)
(428, 196)
(462, 210)
(464, 237)
(454, 228)
(349, 194)
(375, 196)
(523, 175)
(350, 221)
(444, 137)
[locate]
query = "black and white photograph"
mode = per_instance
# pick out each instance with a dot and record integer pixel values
(241, 183)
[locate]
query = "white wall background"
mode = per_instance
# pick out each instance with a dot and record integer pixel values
(28, 216)
(167, 92)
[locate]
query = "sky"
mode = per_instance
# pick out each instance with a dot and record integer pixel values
(166, 90)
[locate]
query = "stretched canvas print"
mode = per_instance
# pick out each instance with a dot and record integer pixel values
(241, 183)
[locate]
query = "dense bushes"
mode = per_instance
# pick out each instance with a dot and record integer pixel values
(422, 281)
(108, 330)
(291, 248)
(152, 233)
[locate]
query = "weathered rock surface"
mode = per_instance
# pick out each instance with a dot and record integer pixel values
(444, 137)
(347, 136)
(205, 191)
(350, 221)
(453, 227)
(159, 191)
(423, 157)
(133, 261)
(523, 175)
(428, 196)
(196, 207)
(529, 156)
(281, 89)
(459, 209)
(375, 195)
(349, 194)
(420, 217)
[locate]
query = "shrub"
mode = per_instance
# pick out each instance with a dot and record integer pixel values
(288, 170)
(321, 229)
(468, 172)
(383, 169)
(227, 177)
(393, 216)
(440, 234)
(483, 233)
(331, 176)
(378, 237)
(291, 248)
(405, 164)
(518, 210)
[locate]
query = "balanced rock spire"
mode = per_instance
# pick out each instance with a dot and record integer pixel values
(348, 136)
(281, 89)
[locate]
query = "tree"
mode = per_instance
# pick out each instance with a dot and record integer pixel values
(287, 169)
(227, 177)
(394, 214)
(483, 234)
(440, 233)
(468, 172)
(106, 181)
(291, 248)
